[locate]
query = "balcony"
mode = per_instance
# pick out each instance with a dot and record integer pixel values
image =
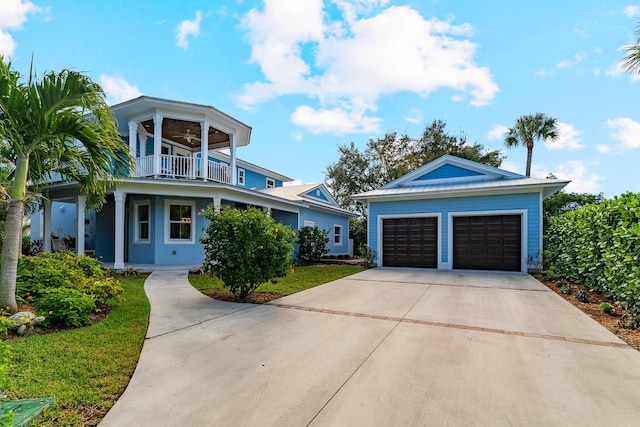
(180, 167)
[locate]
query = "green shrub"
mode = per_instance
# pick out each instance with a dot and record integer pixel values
(312, 244)
(5, 357)
(66, 306)
(566, 289)
(629, 320)
(246, 248)
(5, 326)
(606, 308)
(581, 296)
(598, 246)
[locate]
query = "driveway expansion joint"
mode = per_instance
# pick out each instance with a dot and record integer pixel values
(453, 286)
(457, 326)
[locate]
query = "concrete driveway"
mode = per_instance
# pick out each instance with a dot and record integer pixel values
(384, 347)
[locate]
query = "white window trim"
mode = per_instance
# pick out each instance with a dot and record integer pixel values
(273, 181)
(308, 223)
(241, 176)
(339, 235)
(136, 224)
(167, 229)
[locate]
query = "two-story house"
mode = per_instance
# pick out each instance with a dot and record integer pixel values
(186, 159)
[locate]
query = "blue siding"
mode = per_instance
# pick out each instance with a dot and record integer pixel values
(528, 202)
(141, 253)
(326, 221)
(105, 226)
(448, 171)
(317, 194)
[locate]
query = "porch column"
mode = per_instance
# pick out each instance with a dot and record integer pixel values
(81, 206)
(157, 143)
(46, 225)
(133, 137)
(232, 147)
(204, 149)
(119, 197)
(217, 202)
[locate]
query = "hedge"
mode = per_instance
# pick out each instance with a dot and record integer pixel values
(598, 246)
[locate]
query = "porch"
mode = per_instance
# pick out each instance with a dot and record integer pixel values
(181, 167)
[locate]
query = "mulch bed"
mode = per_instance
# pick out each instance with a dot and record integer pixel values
(252, 298)
(592, 309)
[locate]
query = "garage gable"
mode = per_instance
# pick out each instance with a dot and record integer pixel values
(479, 217)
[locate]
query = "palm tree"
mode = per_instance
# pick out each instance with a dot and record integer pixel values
(631, 61)
(527, 130)
(60, 123)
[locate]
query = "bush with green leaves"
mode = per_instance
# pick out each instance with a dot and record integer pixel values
(606, 308)
(312, 244)
(246, 248)
(5, 357)
(598, 246)
(49, 270)
(66, 306)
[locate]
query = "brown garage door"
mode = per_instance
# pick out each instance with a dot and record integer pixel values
(410, 242)
(487, 242)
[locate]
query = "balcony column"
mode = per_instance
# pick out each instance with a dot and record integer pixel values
(232, 150)
(46, 225)
(204, 149)
(217, 202)
(157, 143)
(81, 207)
(120, 198)
(133, 137)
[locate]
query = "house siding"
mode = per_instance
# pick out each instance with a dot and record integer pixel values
(528, 202)
(448, 171)
(104, 237)
(326, 221)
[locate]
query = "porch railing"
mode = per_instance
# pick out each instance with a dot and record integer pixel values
(180, 167)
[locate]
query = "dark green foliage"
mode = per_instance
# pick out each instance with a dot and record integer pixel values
(548, 275)
(581, 296)
(630, 320)
(246, 248)
(598, 246)
(358, 232)
(388, 158)
(565, 289)
(562, 202)
(606, 308)
(312, 244)
(65, 306)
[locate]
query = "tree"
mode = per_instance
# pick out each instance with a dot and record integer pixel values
(631, 61)
(527, 130)
(562, 202)
(390, 157)
(60, 123)
(246, 248)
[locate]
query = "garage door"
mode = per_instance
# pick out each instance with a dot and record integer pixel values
(487, 242)
(410, 242)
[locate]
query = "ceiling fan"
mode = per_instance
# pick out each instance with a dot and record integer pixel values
(187, 136)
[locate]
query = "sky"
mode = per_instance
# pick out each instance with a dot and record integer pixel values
(310, 75)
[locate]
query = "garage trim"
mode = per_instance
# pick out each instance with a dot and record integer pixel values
(436, 215)
(523, 233)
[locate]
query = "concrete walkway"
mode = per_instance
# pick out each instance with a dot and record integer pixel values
(384, 347)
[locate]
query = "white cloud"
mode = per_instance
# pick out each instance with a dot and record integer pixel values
(625, 130)
(497, 132)
(336, 120)
(297, 135)
(13, 15)
(577, 58)
(347, 64)
(631, 11)
(118, 89)
(616, 70)
(581, 180)
(603, 149)
(414, 116)
(294, 182)
(579, 31)
(511, 167)
(568, 138)
(188, 28)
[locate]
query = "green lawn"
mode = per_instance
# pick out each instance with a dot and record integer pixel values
(85, 370)
(303, 277)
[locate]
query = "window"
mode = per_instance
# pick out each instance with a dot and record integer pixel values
(179, 221)
(271, 182)
(337, 235)
(308, 223)
(240, 176)
(141, 221)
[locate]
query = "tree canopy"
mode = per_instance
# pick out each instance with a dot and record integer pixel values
(527, 130)
(392, 156)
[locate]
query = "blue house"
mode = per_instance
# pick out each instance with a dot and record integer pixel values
(454, 213)
(185, 156)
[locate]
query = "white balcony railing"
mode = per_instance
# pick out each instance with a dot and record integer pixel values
(181, 167)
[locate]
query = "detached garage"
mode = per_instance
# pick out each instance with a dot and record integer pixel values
(457, 214)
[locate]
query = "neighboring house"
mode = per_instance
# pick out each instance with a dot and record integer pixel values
(152, 217)
(454, 213)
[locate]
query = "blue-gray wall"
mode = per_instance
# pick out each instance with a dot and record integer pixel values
(326, 221)
(529, 202)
